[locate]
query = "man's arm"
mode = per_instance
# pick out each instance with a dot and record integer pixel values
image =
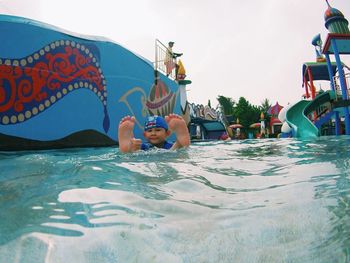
(175, 55)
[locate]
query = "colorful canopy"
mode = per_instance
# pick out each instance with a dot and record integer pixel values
(319, 70)
(342, 42)
(236, 125)
(255, 125)
(274, 110)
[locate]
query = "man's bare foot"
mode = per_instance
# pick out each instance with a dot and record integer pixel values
(127, 142)
(178, 125)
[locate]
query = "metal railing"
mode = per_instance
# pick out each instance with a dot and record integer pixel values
(164, 61)
(338, 90)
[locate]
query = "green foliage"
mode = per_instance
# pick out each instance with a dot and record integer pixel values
(226, 104)
(246, 112)
(243, 110)
(209, 104)
(265, 106)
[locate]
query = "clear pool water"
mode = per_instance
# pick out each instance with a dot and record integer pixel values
(241, 201)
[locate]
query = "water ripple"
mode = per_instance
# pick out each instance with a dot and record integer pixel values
(238, 201)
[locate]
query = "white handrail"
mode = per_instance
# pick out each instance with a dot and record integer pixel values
(164, 59)
(337, 85)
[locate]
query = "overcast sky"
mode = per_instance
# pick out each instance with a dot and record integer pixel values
(250, 48)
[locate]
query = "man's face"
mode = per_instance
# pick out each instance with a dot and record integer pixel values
(156, 135)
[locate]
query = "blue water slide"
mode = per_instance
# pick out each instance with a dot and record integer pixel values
(59, 89)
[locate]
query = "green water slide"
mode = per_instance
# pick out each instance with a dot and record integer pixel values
(301, 125)
(297, 115)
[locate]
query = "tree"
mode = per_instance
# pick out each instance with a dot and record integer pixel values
(226, 104)
(265, 105)
(246, 112)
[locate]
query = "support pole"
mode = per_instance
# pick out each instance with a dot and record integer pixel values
(342, 85)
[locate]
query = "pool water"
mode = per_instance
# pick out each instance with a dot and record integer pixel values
(267, 200)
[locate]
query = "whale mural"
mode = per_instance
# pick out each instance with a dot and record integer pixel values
(59, 89)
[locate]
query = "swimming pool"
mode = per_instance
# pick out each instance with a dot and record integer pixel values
(241, 201)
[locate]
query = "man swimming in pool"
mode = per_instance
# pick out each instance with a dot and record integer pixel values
(156, 130)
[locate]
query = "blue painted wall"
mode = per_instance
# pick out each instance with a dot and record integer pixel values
(80, 83)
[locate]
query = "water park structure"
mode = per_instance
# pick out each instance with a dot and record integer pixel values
(324, 112)
(275, 123)
(60, 89)
(206, 123)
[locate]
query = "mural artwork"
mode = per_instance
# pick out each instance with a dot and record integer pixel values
(31, 85)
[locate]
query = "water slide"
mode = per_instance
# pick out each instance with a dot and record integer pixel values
(297, 118)
(61, 89)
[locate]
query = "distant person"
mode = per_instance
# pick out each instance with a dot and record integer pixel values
(238, 133)
(156, 130)
(170, 59)
(224, 137)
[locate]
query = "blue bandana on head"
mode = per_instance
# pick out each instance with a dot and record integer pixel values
(155, 122)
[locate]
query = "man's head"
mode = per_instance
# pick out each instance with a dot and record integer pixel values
(156, 130)
(171, 43)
